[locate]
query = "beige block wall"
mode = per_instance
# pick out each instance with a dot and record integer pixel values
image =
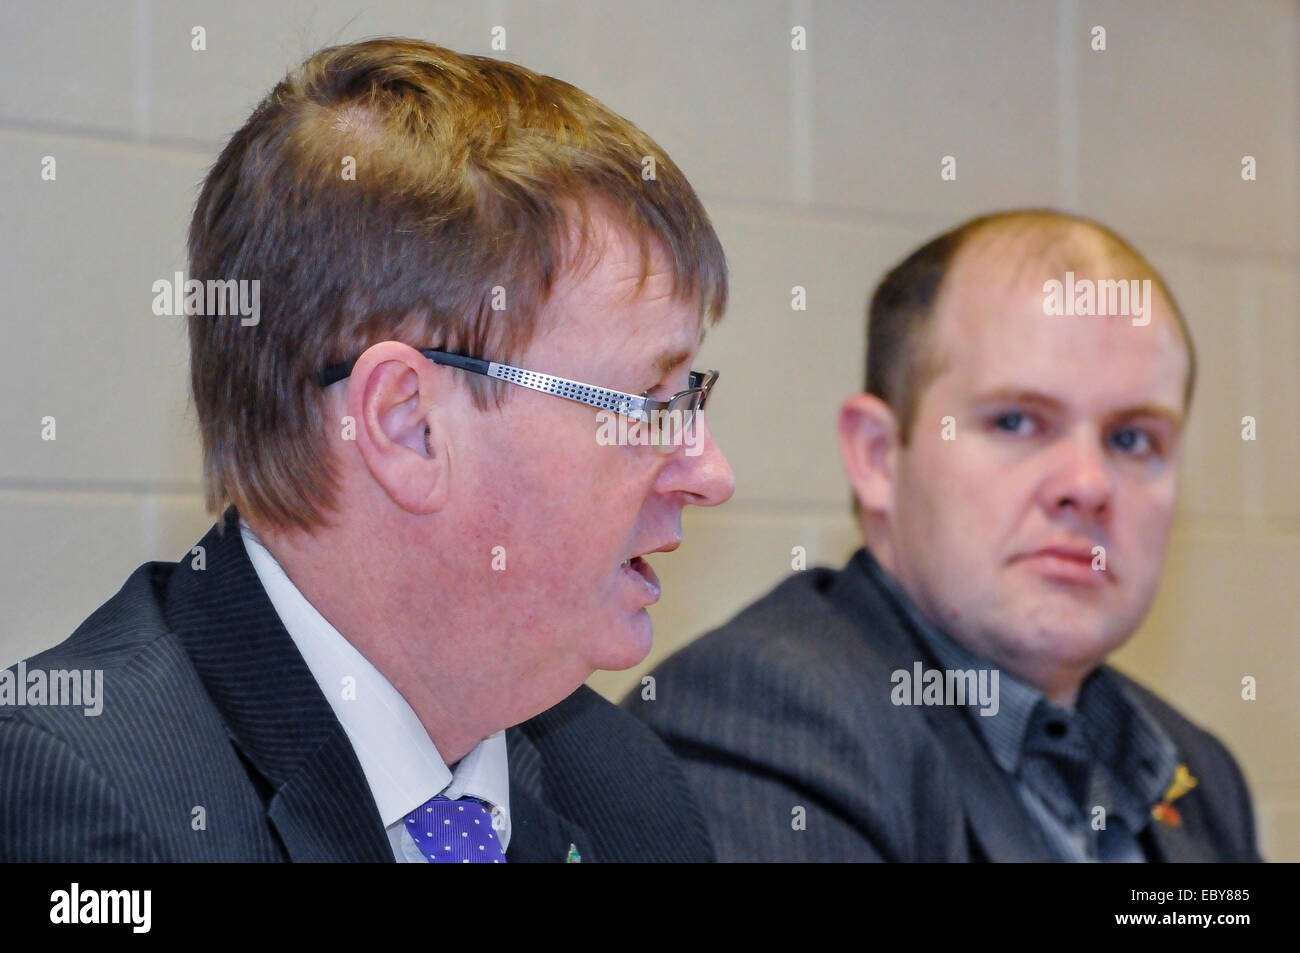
(820, 169)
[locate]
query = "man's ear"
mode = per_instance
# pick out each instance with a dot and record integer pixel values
(391, 396)
(869, 443)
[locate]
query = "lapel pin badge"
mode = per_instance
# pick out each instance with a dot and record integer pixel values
(574, 857)
(1164, 811)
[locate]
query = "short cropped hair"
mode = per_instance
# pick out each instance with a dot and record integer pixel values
(901, 358)
(391, 190)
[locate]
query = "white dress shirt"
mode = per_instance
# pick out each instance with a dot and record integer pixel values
(401, 763)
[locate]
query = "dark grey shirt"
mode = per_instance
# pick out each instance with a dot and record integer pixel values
(1105, 753)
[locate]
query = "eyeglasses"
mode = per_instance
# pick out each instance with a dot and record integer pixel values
(678, 410)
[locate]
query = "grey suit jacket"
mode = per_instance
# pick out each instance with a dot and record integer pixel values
(784, 713)
(208, 704)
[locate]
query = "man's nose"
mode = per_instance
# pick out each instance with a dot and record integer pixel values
(1081, 478)
(705, 475)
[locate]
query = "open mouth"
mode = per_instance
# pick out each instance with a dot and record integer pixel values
(639, 570)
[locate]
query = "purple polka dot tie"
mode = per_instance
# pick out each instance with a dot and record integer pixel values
(455, 832)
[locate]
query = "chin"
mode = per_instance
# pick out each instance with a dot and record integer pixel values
(1077, 647)
(626, 644)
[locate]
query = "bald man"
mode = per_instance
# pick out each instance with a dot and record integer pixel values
(945, 696)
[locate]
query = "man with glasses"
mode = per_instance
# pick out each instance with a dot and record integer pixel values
(425, 550)
(945, 695)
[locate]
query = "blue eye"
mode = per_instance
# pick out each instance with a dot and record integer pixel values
(1013, 422)
(1133, 441)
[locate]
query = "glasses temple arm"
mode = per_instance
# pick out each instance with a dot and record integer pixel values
(337, 372)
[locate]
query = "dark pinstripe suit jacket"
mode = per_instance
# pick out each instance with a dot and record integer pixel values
(787, 705)
(208, 704)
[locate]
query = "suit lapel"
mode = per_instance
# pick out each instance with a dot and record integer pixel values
(1188, 842)
(1167, 845)
(325, 811)
(275, 714)
(995, 818)
(538, 834)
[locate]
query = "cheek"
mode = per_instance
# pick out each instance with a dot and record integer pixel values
(572, 507)
(524, 523)
(1147, 517)
(590, 521)
(950, 491)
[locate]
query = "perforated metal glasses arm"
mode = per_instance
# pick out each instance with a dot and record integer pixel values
(599, 397)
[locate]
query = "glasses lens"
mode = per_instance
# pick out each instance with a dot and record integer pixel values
(705, 383)
(675, 424)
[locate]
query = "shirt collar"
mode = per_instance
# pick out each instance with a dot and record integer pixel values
(1140, 755)
(400, 761)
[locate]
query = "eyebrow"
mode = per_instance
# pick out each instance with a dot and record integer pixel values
(1038, 399)
(1013, 395)
(670, 360)
(1172, 417)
